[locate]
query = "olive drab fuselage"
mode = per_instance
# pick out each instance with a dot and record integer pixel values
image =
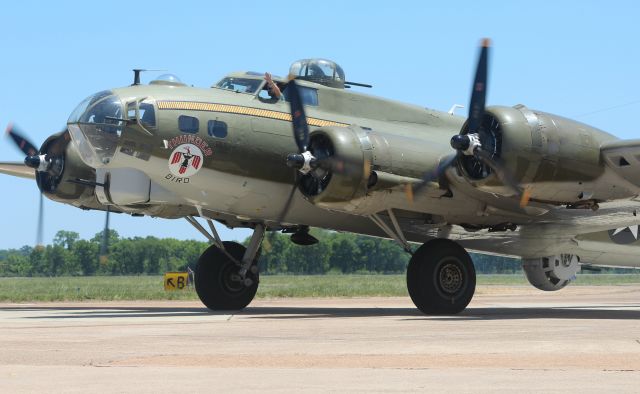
(223, 153)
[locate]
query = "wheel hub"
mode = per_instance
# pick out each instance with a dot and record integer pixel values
(450, 278)
(231, 279)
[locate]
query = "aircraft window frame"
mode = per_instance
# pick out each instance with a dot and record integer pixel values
(265, 97)
(147, 114)
(309, 96)
(131, 110)
(217, 128)
(86, 103)
(192, 128)
(254, 84)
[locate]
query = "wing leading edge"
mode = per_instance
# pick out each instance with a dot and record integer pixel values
(17, 168)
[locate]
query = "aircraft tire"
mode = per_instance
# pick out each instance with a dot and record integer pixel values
(441, 278)
(215, 282)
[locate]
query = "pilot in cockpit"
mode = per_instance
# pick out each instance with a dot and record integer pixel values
(274, 90)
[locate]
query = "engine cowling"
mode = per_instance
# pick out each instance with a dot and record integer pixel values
(551, 273)
(58, 183)
(342, 177)
(556, 157)
(355, 161)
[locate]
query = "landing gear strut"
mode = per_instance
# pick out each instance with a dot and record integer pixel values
(218, 281)
(441, 278)
(227, 277)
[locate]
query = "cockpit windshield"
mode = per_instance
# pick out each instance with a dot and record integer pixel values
(95, 127)
(240, 85)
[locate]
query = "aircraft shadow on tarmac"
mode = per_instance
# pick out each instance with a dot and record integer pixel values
(609, 312)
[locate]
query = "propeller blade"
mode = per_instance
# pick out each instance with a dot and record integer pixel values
(431, 176)
(104, 247)
(498, 167)
(408, 191)
(479, 90)
(21, 141)
(526, 196)
(40, 230)
(287, 205)
(298, 117)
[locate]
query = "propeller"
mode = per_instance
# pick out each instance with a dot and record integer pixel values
(32, 160)
(303, 161)
(470, 143)
(104, 245)
(21, 142)
(48, 164)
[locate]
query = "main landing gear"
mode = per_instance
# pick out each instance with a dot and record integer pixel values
(227, 277)
(219, 280)
(441, 278)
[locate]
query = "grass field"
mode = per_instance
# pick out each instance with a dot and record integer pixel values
(150, 287)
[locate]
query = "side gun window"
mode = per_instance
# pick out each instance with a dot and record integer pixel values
(217, 128)
(188, 124)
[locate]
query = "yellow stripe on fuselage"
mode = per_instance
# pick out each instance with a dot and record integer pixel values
(240, 110)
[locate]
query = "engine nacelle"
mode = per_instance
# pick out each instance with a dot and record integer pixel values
(556, 157)
(358, 160)
(343, 176)
(553, 272)
(60, 182)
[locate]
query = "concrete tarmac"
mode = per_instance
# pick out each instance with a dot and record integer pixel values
(580, 339)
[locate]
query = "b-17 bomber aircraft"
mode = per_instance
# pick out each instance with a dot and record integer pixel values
(504, 180)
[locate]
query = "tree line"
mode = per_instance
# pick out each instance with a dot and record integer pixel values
(69, 255)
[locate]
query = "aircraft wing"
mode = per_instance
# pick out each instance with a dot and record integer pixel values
(610, 215)
(590, 235)
(17, 168)
(623, 157)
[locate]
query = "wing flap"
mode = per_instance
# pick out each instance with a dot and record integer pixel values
(17, 168)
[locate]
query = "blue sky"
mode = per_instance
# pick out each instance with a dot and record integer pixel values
(578, 59)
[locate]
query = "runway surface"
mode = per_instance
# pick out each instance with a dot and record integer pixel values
(584, 339)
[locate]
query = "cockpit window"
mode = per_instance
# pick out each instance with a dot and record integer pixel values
(309, 96)
(240, 85)
(147, 115)
(267, 95)
(89, 101)
(105, 114)
(95, 127)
